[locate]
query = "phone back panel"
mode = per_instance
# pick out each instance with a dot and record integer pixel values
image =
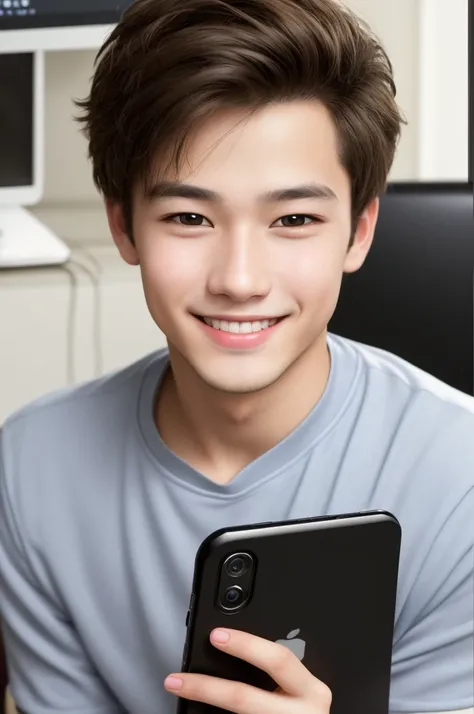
(333, 579)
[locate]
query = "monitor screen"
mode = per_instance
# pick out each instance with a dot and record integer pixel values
(25, 14)
(414, 295)
(16, 120)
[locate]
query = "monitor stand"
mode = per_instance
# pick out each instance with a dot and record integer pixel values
(26, 242)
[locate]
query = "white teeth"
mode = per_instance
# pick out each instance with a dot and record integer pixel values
(243, 328)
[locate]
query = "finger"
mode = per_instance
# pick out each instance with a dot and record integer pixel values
(224, 694)
(276, 660)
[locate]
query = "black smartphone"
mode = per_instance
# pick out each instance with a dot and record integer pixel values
(325, 587)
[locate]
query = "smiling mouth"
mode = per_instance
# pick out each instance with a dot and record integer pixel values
(240, 327)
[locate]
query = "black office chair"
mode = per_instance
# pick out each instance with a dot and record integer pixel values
(414, 295)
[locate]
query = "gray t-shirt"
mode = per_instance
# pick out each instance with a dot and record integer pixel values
(100, 523)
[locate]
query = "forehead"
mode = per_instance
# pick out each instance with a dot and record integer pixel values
(244, 156)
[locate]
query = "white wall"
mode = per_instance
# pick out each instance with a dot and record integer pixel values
(71, 205)
(397, 23)
(443, 81)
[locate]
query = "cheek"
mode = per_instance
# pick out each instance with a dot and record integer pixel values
(314, 278)
(170, 270)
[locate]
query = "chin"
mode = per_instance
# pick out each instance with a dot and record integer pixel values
(244, 388)
(243, 383)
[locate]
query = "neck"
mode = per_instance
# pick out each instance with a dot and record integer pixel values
(219, 434)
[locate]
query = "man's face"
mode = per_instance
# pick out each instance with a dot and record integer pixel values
(219, 270)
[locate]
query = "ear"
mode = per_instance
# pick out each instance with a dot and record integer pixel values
(363, 238)
(116, 219)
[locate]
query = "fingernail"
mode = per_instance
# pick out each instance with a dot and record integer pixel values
(173, 683)
(220, 637)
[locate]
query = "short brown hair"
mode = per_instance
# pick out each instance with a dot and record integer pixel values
(170, 64)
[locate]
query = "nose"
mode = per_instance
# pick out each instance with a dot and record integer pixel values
(239, 269)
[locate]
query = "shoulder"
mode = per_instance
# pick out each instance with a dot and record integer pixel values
(383, 366)
(418, 430)
(422, 438)
(405, 394)
(58, 427)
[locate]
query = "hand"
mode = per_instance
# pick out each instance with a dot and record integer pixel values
(299, 692)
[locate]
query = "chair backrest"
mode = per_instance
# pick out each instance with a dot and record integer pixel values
(413, 296)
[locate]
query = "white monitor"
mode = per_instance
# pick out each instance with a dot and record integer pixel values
(55, 38)
(27, 25)
(24, 241)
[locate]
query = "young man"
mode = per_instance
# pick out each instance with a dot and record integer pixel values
(241, 146)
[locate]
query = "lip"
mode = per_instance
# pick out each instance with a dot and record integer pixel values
(238, 341)
(241, 318)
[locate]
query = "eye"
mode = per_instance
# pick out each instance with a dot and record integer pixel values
(296, 220)
(196, 220)
(190, 219)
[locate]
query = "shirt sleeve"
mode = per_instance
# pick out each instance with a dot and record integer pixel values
(48, 669)
(433, 661)
(458, 711)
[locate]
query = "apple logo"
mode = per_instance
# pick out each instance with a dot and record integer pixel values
(297, 646)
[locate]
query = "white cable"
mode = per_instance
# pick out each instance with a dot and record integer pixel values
(71, 324)
(94, 278)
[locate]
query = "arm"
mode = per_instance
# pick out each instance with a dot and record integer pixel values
(433, 658)
(459, 711)
(48, 670)
(3, 675)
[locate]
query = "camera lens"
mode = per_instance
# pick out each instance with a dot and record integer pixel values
(237, 565)
(233, 598)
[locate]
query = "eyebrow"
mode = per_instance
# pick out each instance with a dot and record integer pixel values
(175, 189)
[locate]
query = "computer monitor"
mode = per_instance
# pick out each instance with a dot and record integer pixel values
(24, 241)
(414, 295)
(27, 25)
